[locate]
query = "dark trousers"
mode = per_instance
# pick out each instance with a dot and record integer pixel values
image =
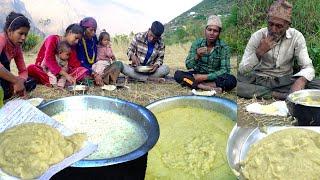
(252, 85)
(226, 81)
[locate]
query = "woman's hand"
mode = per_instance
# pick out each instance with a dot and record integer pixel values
(18, 87)
(98, 79)
(70, 79)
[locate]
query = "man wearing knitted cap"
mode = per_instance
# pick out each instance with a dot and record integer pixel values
(147, 49)
(266, 69)
(209, 59)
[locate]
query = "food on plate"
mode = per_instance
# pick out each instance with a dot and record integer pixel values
(109, 87)
(28, 150)
(143, 69)
(36, 101)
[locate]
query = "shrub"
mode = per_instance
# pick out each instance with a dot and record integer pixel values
(31, 41)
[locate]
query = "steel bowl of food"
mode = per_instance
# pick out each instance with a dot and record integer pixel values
(304, 105)
(194, 133)
(143, 69)
(275, 150)
(124, 132)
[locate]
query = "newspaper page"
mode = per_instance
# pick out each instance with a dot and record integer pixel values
(21, 111)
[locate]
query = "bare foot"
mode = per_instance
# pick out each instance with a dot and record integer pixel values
(218, 90)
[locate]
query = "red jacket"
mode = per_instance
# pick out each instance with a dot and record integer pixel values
(13, 52)
(48, 52)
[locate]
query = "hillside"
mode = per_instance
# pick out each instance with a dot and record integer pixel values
(6, 6)
(52, 16)
(189, 23)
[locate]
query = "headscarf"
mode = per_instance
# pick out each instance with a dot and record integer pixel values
(88, 22)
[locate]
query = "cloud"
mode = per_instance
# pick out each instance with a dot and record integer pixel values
(116, 16)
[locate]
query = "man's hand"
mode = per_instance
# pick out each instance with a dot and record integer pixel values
(200, 77)
(135, 61)
(201, 51)
(18, 87)
(265, 45)
(299, 84)
(154, 68)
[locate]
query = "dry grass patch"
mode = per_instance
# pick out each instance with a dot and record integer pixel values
(140, 93)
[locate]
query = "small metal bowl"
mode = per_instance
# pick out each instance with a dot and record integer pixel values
(143, 69)
(304, 105)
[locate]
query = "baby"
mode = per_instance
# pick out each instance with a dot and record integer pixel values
(62, 56)
(105, 56)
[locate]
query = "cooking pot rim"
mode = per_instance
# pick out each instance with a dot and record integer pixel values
(140, 151)
(290, 97)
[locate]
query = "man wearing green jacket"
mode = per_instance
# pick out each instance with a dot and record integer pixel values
(208, 61)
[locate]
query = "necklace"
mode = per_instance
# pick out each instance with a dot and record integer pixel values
(90, 60)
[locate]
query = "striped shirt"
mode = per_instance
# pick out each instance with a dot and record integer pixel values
(139, 47)
(215, 63)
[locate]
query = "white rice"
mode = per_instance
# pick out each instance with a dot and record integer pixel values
(115, 135)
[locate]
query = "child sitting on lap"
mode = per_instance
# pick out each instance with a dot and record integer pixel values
(62, 56)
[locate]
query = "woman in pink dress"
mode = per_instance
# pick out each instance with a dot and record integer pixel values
(47, 53)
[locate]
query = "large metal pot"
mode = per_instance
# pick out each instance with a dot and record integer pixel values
(135, 112)
(222, 105)
(300, 106)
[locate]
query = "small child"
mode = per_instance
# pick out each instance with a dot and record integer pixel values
(62, 56)
(105, 56)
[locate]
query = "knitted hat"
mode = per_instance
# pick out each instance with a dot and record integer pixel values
(157, 28)
(214, 20)
(281, 9)
(88, 22)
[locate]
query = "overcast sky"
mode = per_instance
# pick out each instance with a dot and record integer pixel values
(124, 16)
